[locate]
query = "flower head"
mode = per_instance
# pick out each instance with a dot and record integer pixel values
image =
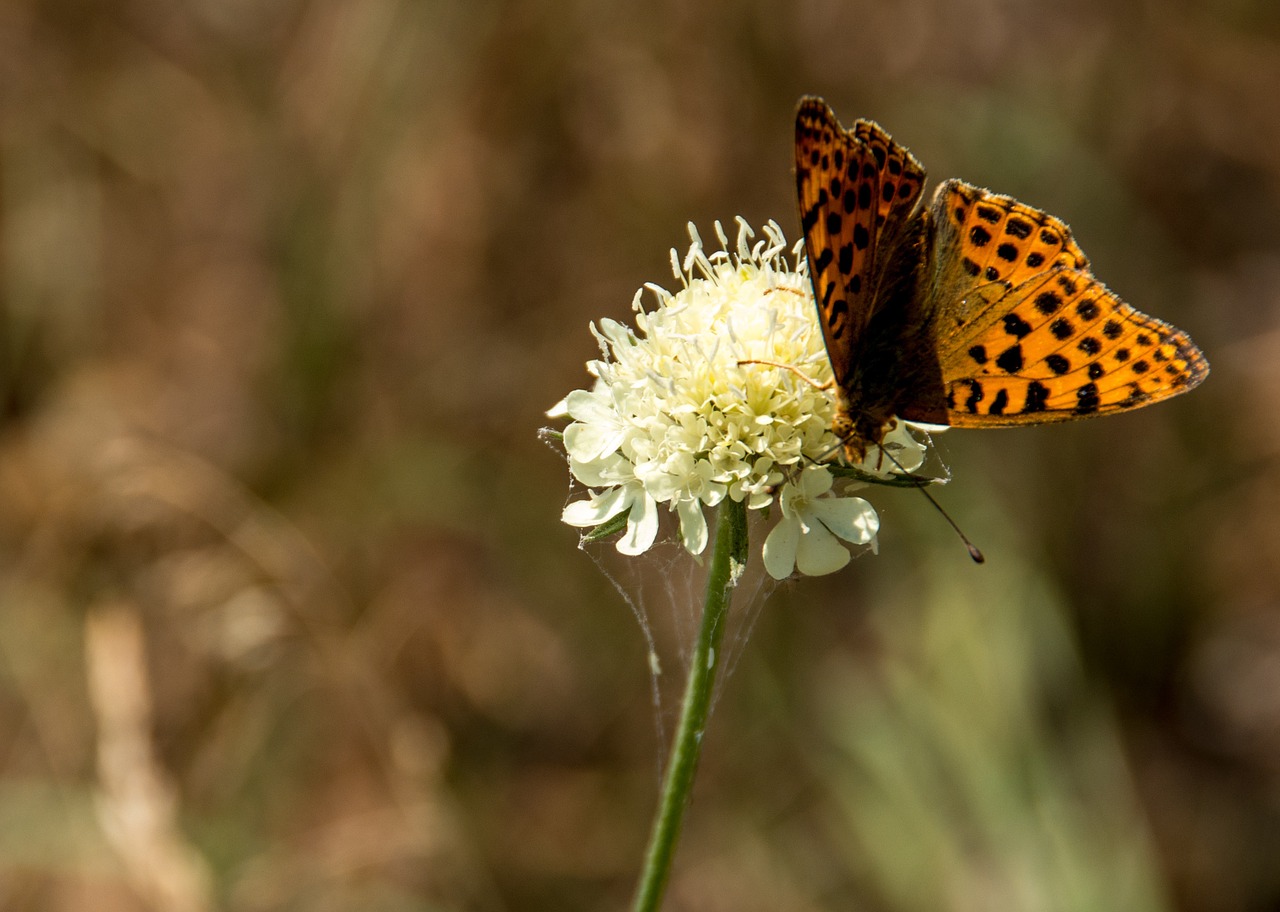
(720, 391)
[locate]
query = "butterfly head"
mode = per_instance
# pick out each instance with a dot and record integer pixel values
(859, 427)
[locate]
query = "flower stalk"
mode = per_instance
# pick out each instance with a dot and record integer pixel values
(728, 558)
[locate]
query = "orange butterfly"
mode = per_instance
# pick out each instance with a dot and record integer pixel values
(978, 311)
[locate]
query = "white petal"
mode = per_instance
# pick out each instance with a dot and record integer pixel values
(780, 548)
(815, 481)
(642, 526)
(693, 526)
(905, 447)
(586, 442)
(559, 410)
(596, 509)
(611, 471)
(615, 332)
(851, 518)
(713, 493)
(820, 553)
(661, 485)
(592, 406)
(589, 473)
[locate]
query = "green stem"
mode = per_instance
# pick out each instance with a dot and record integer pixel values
(730, 549)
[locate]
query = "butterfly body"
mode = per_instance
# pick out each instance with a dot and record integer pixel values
(894, 370)
(975, 311)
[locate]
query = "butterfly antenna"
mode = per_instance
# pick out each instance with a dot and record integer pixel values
(974, 552)
(820, 387)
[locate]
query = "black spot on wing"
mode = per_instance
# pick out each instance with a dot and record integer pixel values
(1015, 326)
(1010, 360)
(1016, 227)
(1037, 396)
(1048, 303)
(1087, 310)
(975, 396)
(1087, 400)
(1057, 363)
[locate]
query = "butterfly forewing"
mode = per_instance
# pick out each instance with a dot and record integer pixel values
(1026, 334)
(856, 189)
(985, 237)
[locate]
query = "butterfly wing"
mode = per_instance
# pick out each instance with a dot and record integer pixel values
(1025, 333)
(857, 189)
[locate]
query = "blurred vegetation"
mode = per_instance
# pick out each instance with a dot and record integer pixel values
(288, 619)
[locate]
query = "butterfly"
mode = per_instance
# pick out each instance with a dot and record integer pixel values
(977, 311)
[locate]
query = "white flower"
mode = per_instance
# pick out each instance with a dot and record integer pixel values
(642, 515)
(805, 536)
(683, 414)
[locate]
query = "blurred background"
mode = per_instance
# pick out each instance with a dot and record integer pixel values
(288, 619)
